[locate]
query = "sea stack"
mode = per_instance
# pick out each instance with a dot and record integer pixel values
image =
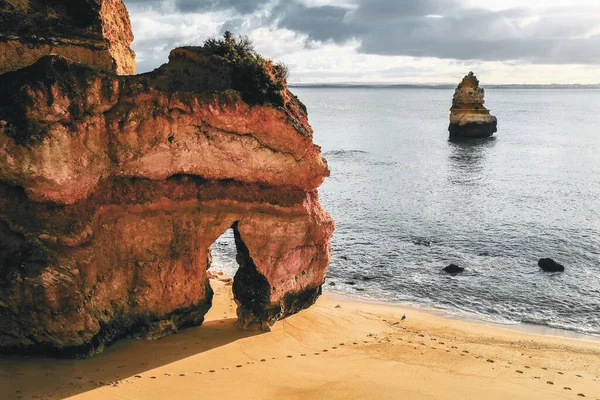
(468, 116)
(114, 188)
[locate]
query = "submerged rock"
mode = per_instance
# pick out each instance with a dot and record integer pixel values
(113, 190)
(468, 116)
(454, 269)
(549, 265)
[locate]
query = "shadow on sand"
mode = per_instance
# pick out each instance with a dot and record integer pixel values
(123, 360)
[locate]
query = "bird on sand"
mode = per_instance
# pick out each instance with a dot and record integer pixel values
(403, 317)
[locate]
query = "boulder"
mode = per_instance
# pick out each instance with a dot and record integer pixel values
(454, 269)
(113, 190)
(549, 265)
(468, 116)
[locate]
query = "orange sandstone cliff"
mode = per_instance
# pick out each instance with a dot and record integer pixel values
(468, 116)
(94, 32)
(114, 188)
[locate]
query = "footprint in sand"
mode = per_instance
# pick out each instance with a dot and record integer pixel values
(198, 372)
(579, 376)
(560, 373)
(263, 360)
(491, 361)
(239, 366)
(550, 382)
(325, 351)
(302, 355)
(519, 371)
(567, 388)
(580, 394)
(289, 356)
(138, 376)
(316, 354)
(181, 374)
(152, 377)
(212, 371)
(167, 374)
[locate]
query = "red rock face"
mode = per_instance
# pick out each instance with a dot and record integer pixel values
(93, 32)
(113, 189)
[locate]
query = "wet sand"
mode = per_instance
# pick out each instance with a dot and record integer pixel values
(338, 349)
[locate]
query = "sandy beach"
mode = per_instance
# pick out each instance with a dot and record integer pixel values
(338, 349)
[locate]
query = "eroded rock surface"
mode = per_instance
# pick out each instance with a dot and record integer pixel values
(468, 116)
(113, 189)
(93, 32)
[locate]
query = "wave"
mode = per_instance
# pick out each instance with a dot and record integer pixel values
(344, 153)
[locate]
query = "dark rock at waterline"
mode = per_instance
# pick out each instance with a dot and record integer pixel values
(331, 283)
(473, 130)
(454, 269)
(351, 283)
(549, 265)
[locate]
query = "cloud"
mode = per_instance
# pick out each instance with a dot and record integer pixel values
(446, 29)
(187, 6)
(400, 31)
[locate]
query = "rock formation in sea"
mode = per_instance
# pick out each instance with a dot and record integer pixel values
(549, 265)
(454, 269)
(113, 189)
(93, 32)
(468, 116)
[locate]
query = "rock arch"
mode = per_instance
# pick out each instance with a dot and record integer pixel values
(113, 188)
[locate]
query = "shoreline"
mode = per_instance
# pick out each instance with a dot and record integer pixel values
(340, 348)
(524, 327)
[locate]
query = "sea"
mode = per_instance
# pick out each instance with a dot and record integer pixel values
(408, 202)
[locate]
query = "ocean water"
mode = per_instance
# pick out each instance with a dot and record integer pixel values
(407, 202)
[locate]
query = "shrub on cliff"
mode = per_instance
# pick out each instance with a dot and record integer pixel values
(257, 79)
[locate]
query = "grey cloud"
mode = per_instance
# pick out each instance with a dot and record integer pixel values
(319, 23)
(446, 29)
(184, 6)
(421, 28)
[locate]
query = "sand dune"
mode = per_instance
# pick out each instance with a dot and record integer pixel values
(335, 350)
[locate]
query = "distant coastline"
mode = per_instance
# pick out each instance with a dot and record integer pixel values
(435, 86)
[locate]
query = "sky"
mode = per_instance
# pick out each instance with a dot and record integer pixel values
(388, 41)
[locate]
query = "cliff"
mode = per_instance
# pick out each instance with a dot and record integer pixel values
(93, 32)
(113, 189)
(468, 116)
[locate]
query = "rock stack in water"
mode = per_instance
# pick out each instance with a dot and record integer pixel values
(113, 189)
(468, 116)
